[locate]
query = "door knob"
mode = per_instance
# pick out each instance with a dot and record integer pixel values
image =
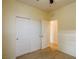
(17, 39)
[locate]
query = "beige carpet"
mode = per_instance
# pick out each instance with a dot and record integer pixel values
(46, 54)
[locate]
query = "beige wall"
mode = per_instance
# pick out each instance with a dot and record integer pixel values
(24, 10)
(8, 29)
(66, 17)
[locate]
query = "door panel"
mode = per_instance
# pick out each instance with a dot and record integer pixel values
(22, 44)
(27, 36)
(35, 35)
(45, 33)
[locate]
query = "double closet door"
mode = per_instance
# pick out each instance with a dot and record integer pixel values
(28, 33)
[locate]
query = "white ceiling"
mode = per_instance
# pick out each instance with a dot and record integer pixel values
(44, 4)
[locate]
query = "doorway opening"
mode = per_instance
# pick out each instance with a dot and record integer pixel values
(54, 34)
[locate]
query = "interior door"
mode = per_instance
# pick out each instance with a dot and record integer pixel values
(27, 35)
(45, 33)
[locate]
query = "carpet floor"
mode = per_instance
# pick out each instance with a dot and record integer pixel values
(46, 54)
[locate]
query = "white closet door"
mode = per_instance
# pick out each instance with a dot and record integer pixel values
(45, 33)
(27, 36)
(35, 40)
